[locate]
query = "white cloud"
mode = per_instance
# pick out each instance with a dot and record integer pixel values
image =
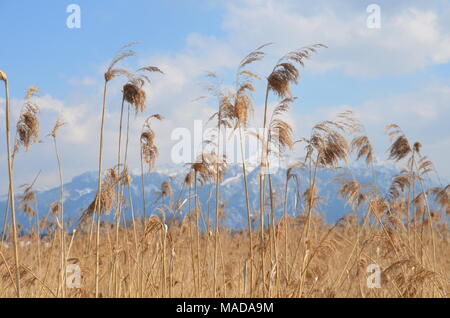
(411, 37)
(171, 95)
(422, 115)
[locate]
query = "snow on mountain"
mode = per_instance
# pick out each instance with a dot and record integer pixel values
(80, 192)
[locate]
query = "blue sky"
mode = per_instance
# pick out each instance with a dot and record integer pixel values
(41, 47)
(398, 73)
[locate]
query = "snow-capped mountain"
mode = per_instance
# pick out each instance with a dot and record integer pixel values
(80, 191)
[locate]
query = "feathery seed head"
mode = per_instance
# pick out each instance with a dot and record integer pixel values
(135, 95)
(28, 124)
(400, 147)
(31, 92)
(285, 72)
(363, 148)
(133, 91)
(166, 189)
(3, 76)
(328, 141)
(105, 198)
(417, 146)
(55, 129)
(123, 53)
(148, 148)
(189, 179)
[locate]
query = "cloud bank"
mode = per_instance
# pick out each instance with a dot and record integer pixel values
(414, 36)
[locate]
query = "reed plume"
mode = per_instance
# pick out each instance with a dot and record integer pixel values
(442, 198)
(290, 174)
(27, 131)
(133, 90)
(134, 94)
(326, 147)
(243, 109)
(417, 167)
(404, 227)
(400, 147)
(279, 139)
(224, 116)
(283, 74)
(149, 152)
(165, 191)
(106, 197)
(286, 72)
(363, 148)
(28, 124)
(29, 206)
(109, 75)
(60, 206)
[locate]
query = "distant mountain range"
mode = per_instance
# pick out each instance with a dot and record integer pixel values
(80, 191)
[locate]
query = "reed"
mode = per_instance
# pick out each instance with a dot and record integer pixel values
(27, 133)
(403, 229)
(109, 75)
(243, 108)
(4, 78)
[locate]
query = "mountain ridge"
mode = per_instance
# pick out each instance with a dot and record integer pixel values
(80, 191)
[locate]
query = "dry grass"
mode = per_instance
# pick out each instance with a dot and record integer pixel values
(403, 274)
(403, 232)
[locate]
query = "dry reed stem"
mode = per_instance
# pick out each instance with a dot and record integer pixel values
(4, 78)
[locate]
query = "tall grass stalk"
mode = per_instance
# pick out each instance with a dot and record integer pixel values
(4, 78)
(247, 204)
(216, 228)
(99, 191)
(53, 134)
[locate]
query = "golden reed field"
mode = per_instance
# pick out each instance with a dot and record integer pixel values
(393, 244)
